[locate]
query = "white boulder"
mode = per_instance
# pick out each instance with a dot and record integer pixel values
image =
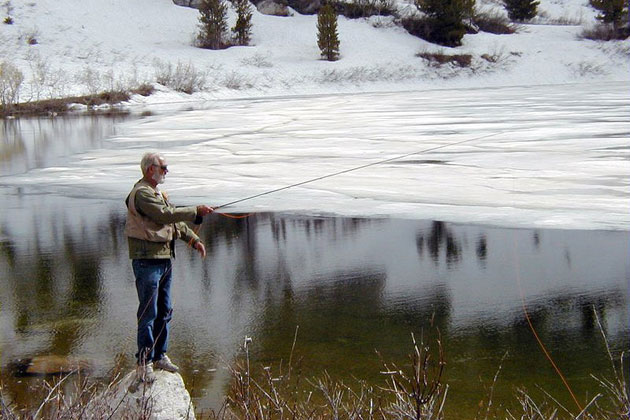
(166, 398)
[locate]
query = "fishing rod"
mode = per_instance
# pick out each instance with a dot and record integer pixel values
(345, 171)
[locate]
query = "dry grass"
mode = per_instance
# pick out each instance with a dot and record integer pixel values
(356, 9)
(604, 32)
(440, 58)
(60, 106)
(416, 391)
(494, 23)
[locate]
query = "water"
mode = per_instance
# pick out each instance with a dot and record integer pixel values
(352, 285)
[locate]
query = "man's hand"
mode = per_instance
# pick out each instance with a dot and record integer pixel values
(202, 210)
(202, 249)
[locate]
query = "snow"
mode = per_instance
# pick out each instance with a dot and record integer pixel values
(100, 43)
(538, 138)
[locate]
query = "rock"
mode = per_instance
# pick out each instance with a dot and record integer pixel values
(166, 398)
(48, 365)
(305, 7)
(271, 7)
(188, 3)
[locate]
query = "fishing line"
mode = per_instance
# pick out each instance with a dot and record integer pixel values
(345, 171)
(533, 330)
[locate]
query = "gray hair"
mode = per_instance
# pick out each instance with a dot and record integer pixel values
(150, 158)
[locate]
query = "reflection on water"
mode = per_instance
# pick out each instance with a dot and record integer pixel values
(352, 286)
(28, 143)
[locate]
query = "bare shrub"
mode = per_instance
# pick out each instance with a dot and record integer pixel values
(257, 60)
(588, 68)
(383, 21)
(46, 81)
(499, 56)
(91, 79)
(419, 393)
(612, 49)
(182, 77)
(565, 20)
(144, 89)
(237, 81)
(11, 79)
(416, 392)
(440, 58)
(76, 396)
(494, 23)
(362, 74)
(615, 387)
(604, 32)
(365, 8)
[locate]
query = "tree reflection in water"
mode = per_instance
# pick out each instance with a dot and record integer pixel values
(352, 285)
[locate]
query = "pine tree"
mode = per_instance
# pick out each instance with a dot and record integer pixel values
(611, 11)
(327, 37)
(445, 19)
(521, 10)
(242, 29)
(213, 21)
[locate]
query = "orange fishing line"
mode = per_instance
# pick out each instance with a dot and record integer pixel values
(538, 339)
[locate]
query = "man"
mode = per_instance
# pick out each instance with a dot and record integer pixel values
(152, 226)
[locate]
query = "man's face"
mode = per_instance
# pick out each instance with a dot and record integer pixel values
(159, 171)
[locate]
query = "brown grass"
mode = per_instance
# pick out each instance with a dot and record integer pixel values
(416, 391)
(603, 32)
(494, 23)
(461, 60)
(60, 106)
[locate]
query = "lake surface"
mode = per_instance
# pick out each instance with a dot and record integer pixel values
(352, 285)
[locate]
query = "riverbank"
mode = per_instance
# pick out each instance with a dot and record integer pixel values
(112, 101)
(416, 389)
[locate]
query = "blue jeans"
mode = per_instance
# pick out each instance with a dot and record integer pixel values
(153, 283)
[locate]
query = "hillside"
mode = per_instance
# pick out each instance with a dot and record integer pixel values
(94, 45)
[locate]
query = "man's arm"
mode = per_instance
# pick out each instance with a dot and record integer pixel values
(186, 234)
(153, 206)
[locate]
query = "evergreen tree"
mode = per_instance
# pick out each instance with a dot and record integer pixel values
(213, 21)
(445, 19)
(521, 10)
(327, 37)
(242, 29)
(611, 11)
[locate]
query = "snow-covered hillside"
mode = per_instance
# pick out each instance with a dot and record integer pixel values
(83, 47)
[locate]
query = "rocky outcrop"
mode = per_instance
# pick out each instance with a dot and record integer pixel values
(305, 7)
(272, 7)
(188, 3)
(165, 399)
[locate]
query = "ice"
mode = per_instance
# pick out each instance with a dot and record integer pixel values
(545, 156)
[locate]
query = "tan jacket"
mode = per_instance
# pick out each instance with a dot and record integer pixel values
(153, 223)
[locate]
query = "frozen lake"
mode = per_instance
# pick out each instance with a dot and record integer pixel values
(542, 156)
(525, 201)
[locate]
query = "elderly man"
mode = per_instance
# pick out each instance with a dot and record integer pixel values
(153, 224)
